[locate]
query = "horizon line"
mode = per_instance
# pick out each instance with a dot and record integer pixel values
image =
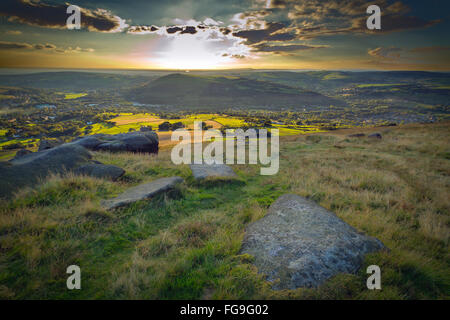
(222, 70)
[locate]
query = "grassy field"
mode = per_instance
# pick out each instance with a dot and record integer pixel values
(69, 96)
(185, 244)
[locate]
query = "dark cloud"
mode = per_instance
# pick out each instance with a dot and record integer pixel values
(171, 30)
(189, 29)
(5, 45)
(142, 29)
(234, 56)
(315, 18)
(274, 31)
(54, 16)
(281, 49)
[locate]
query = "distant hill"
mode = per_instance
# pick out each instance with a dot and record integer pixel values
(324, 81)
(69, 80)
(224, 91)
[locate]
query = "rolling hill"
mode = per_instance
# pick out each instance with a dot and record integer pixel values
(225, 91)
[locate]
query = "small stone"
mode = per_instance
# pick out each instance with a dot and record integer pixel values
(375, 135)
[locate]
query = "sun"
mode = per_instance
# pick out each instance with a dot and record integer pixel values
(190, 52)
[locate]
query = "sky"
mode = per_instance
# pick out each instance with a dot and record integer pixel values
(226, 34)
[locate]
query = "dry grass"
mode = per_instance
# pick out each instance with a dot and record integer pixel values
(186, 245)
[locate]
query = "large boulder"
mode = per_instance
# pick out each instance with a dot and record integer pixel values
(89, 142)
(142, 142)
(302, 244)
(141, 192)
(102, 171)
(28, 169)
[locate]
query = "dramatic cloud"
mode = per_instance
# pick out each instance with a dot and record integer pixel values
(386, 53)
(5, 45)
(314, 18)
(54, 16)
(274, 31)
(283, 49)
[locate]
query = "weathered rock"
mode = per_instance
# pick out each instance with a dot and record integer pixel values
(141, 192)
(302, 244)
(48, 144)
(143, 141)
(21, 153)
(375, 135)
(203, 171)
(101, 171)
(28, 169)
(89, 142)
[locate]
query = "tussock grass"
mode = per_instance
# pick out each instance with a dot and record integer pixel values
(185, 244)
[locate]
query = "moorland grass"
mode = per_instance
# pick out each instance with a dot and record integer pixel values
(185, 244)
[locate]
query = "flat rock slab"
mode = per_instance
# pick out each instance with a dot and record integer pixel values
(203, 171)
(303, 244)
(141, 192)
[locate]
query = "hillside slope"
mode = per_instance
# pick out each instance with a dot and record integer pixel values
(221, 91)
(186, 245)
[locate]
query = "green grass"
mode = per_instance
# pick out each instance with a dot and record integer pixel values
(70, 96)
(334, 76)
(185, 244)
(230, 121)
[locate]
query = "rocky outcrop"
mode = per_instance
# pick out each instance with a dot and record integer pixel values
(142, 142)
(203, 171)
(302, 244)
(28, 169)
(141, 192)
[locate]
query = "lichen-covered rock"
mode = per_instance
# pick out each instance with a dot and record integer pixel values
(302, 244)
